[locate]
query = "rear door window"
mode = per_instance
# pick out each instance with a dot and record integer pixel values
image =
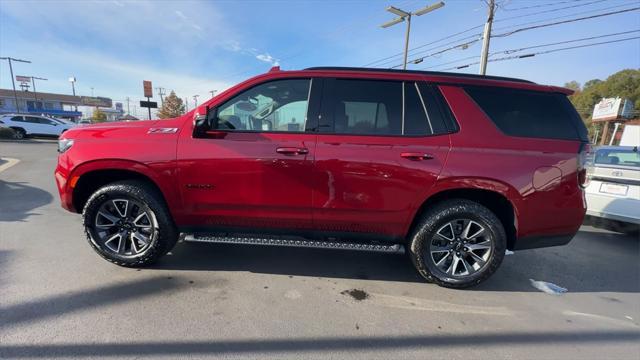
(529, 113)
(381, 107)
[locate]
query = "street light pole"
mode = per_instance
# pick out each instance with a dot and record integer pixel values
(13, 83)
(33, 82)
(213, 93)
(72, 80)
(195, 100)
(405, 15)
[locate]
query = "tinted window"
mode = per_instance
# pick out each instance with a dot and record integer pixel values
(273, 106)
(527, 113)
(17, 118)
(371, 107)
(367, 107)
(32, 119)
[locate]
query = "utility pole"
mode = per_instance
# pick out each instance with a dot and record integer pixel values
(195, 101)
(484, 56)
(128, 112)
(33, 82)
(161, 93)
(405, 15)
(186, 104)
(72, 80)
(13, 83)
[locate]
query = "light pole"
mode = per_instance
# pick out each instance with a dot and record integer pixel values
(72, 80)
(13, 83)
(195, 101)
(213, 93)
(33, 83)
(404, 15)
(92, 92)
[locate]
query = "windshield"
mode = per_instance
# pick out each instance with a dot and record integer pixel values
(621, 157)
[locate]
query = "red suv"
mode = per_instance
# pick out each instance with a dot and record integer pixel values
(456, 168)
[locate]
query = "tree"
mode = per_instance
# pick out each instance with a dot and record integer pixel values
(624, 84)
(99, 116)
(573, 85)
(171, 107)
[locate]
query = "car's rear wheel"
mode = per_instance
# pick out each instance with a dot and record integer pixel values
(19, 133)
(129, 224)
(458, 244)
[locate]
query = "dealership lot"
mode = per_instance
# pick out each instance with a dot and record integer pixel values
(59, 299)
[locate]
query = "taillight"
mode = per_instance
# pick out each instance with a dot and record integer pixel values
(585, 165)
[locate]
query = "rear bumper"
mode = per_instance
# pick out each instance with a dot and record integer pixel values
(541, 241)
(613, 207)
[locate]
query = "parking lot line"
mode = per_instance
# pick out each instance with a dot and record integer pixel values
(9, 163)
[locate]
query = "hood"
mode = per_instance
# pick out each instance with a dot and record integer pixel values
(126, 129)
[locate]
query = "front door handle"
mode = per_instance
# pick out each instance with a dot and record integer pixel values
(292, 151)
(415, 156)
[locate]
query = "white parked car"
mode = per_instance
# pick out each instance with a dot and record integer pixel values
(34, 125)
(613, 193)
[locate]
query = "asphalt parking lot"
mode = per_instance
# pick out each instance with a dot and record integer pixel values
(59, 299)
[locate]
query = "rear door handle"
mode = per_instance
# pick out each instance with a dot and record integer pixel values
(292, 151)
(415, 156)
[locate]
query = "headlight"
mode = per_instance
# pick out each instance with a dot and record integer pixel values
(64, 145)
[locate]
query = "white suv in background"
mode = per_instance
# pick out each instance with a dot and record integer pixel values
(34, 125)
(613, 193)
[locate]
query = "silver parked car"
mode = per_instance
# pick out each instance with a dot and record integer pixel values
(614, 191)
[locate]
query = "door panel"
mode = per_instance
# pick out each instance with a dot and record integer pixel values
(257, 172)
(374, 183)
(242, 180)
(363, 184)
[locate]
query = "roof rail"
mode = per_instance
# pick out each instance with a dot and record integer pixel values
(419, 72)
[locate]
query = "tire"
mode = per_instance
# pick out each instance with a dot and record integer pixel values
(446, 223)
(129, 224)
(19, 134)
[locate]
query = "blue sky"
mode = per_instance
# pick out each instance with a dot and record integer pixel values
(197, 46)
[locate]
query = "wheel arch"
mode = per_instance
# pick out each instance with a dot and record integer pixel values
(93, 176)
(496, 201)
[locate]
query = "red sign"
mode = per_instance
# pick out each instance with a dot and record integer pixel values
(148, 92)
(23, 78)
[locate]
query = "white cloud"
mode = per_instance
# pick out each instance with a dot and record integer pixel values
(181, 15)
(268, 59)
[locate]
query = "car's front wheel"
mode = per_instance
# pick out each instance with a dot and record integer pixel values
(458, 244)
(129, 224)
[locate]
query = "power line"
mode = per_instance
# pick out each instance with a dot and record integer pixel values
(538, 6)
(513, 57)
(565, 21)
(389, 59)
(553, 10)
(565, 42)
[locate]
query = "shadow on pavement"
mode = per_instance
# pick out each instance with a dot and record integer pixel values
(58, 305)
(17, 200)
(332, 345)
(590, 263)
(289, 261)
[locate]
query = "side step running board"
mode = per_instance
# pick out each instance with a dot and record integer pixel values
(274, 241)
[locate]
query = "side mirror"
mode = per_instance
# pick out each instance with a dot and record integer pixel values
(205, 124)
(200, 124)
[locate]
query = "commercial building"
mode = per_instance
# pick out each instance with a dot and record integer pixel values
(58, 105)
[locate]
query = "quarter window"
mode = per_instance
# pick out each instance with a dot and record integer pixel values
(274, 106)
(529, 113)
